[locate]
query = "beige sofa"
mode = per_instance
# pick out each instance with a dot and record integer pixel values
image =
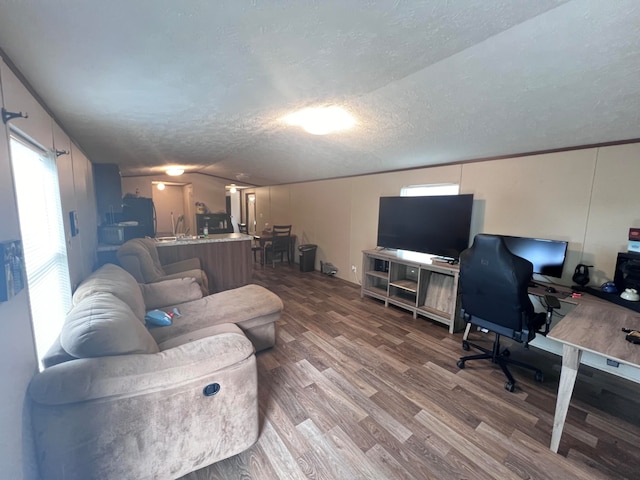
(139, 257)
(119, 400)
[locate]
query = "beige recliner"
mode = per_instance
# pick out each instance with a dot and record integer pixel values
(139, 257)
(122, 400)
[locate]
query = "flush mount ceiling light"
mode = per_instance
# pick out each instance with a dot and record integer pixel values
(232, 188)
(160, 186)
(174, 171)
(321, 120)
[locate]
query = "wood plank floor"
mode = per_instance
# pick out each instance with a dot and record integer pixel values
(356, 390)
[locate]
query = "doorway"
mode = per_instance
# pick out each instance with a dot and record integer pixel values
(250, 202)
(174, 210)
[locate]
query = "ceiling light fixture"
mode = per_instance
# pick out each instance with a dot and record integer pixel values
(160, 186)
(233, 188)
(321, 120)
(174, 171)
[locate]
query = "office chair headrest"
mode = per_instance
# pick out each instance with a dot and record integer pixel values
(494, 281)
(491, 255)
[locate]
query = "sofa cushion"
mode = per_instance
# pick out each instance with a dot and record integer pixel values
(247, 306)
(170, 292)
(103, 325)
(115, 280)
(204, 332)
(56, 354)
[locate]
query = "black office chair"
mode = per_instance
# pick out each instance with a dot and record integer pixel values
(494, 287)
(280, 243)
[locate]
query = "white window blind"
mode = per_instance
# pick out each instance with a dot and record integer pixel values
(433, 189)
(40, 212)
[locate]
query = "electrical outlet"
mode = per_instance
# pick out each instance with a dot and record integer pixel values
(353, 268)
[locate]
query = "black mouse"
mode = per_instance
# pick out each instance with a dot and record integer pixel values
(551, 290)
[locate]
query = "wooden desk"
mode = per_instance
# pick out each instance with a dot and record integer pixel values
(592, 327)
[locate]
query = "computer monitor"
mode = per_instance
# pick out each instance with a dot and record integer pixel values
(547, 256)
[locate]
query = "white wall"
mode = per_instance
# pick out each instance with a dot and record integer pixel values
(587, 197)
(18, 360)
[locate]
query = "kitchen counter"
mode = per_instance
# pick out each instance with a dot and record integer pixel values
(216, 238)
(225, 257)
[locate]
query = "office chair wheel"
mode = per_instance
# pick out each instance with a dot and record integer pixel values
(465, 346)
(510, 386)
(539, 377)
(460, 363)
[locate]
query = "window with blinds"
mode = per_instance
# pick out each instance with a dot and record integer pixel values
(39, 209)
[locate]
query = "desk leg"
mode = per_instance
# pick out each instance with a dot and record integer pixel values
(570, 362)
(467, 329)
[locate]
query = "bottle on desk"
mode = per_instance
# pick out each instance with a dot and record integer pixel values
(205, 230)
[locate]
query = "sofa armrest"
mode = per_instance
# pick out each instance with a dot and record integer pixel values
(170, 292)
(130, 375)
(182, 266)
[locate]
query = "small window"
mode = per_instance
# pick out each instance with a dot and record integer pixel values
(428, 190)
(37, 189)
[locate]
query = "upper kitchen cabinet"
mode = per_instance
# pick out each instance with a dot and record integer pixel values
(108, 188)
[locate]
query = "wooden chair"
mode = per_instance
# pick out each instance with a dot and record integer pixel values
(280, 243)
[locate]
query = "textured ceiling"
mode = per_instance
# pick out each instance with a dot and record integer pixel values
(204, 84)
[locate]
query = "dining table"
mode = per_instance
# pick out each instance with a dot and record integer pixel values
(265, 237)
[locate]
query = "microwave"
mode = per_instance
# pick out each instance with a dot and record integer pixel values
(118, 234)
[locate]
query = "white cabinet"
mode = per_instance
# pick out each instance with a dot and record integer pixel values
(413, 282)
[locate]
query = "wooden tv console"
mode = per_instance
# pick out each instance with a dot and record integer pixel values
(414, 282)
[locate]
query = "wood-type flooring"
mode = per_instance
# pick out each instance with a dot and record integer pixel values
(354, 390)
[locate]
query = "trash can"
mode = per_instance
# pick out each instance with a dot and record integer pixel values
(307, 257)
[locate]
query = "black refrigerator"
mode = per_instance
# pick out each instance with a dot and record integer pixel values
(141, 210)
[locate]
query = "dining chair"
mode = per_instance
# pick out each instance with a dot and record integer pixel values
(280, 243)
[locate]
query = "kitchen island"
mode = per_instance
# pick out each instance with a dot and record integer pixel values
(225, 257)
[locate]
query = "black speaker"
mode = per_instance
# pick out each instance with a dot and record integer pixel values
(381, 265)
(627, 274)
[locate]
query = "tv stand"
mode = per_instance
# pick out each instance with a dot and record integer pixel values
(423, 288)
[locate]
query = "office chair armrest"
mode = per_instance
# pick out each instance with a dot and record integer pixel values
(552, 303)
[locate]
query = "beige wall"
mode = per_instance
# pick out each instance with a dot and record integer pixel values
(586, 197)
(18, 360)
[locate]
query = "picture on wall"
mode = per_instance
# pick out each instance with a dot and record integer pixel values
(12, 274)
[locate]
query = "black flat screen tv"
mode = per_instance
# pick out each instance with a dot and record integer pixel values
(547, 256)
(437, 225)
